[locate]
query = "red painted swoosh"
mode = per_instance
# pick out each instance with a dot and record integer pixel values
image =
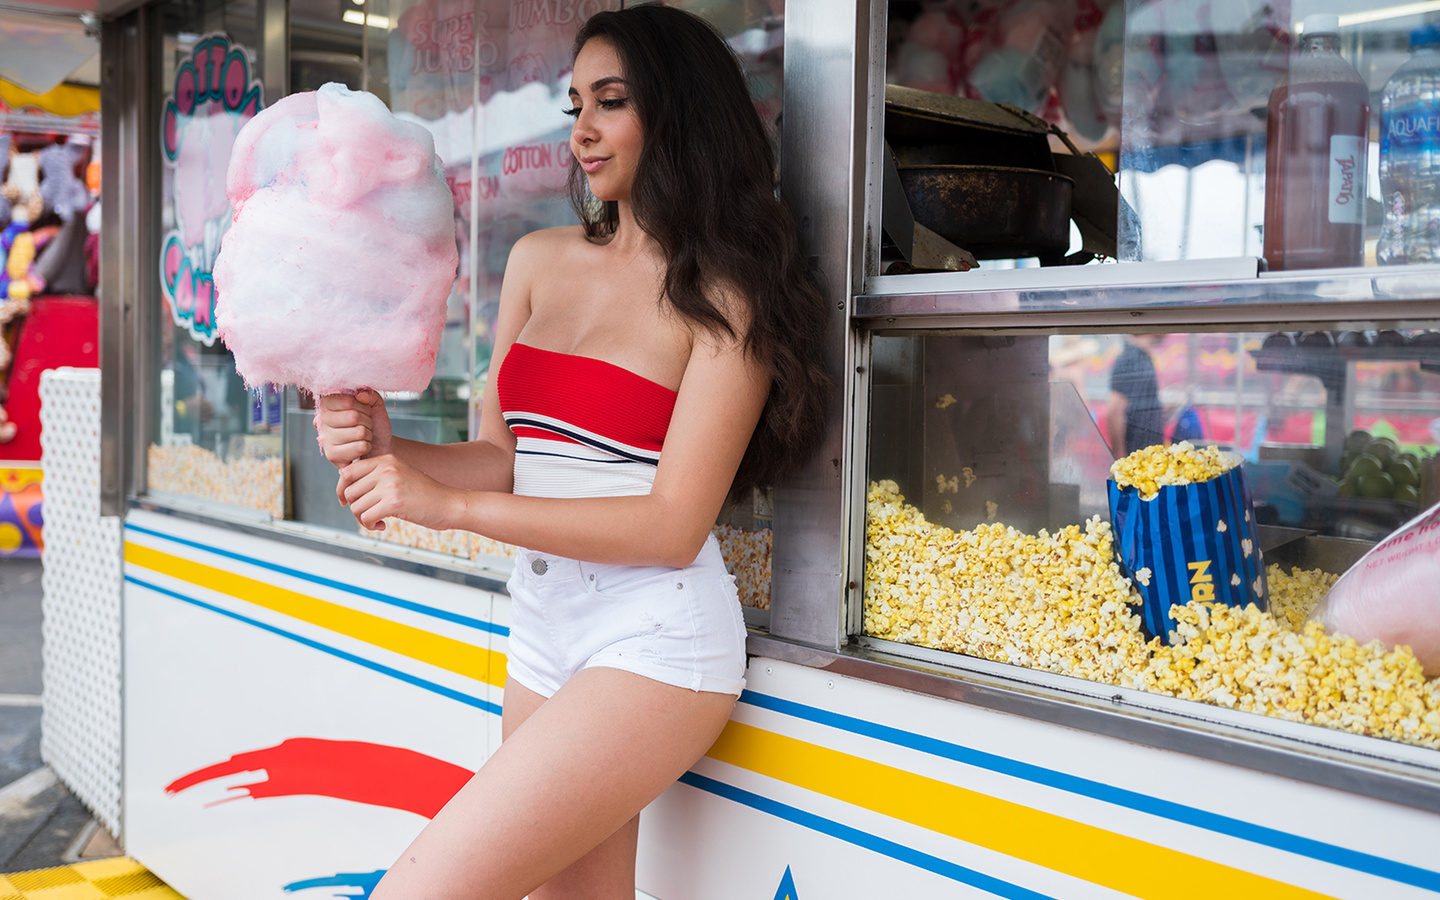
(360, 772)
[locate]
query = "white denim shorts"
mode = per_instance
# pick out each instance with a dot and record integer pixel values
(677, 626)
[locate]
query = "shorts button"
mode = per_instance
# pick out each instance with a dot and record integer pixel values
(538, 567)
(679, 586)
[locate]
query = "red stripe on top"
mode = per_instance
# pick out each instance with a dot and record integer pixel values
(592, 394)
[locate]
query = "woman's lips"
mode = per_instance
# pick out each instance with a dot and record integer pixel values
(592, 164)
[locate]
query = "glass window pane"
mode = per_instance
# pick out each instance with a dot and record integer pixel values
(1234, 130)
(488, 80)
(216, 442)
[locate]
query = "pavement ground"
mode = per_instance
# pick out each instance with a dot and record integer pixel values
(50, 844)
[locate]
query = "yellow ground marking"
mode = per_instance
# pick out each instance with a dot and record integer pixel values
(437, 650)
(98, 879)
(1112, 860)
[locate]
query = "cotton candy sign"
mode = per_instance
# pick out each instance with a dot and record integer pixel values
(336, 269)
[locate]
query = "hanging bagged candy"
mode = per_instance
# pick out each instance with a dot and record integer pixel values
(1017, 55)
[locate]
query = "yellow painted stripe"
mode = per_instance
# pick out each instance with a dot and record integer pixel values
(1116, 861)
(433, 649)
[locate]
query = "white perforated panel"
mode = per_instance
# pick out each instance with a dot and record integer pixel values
(80, 725)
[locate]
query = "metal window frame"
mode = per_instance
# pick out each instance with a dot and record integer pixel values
(130, 49)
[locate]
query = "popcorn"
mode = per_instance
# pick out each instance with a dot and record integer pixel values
(1248, 660)
(944, 401)
(1294, 595)
(252, 481)
(1058, 603)
(1142, 575)
(945, 485)
(969, 475)
(1221, 527)
(747, 557)
(1053, 602)
(459, 543)
(1153, 467)
(992, 509)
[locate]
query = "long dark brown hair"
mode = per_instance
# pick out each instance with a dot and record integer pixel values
(704, 191)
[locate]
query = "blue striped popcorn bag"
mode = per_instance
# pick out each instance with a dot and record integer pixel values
(1185, 531)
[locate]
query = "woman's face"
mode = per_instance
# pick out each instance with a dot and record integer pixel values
(606, 137)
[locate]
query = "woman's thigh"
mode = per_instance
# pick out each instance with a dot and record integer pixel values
(573, 771)
(520, 702)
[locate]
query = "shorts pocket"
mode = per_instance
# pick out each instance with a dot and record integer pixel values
(622, 582)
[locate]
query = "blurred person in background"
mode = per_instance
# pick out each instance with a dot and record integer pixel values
(1133, 418)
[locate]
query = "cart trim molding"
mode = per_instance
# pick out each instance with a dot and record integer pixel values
(460, 657)
(758, 750)
(383, 669)
(388, 599)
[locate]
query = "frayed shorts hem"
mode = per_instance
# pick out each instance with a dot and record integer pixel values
(677, 677)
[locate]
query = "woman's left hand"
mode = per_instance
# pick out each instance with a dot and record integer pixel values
(382, 486)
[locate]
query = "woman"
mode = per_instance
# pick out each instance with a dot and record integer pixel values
(648, 362)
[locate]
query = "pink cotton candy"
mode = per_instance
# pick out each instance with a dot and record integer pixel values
(336, 269)
(1392, 594)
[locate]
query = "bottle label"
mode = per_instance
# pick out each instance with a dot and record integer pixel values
(1413, 129)
(1347, 179)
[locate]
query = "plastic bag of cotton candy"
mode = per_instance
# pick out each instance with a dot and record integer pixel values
(1392, 594)
(335, 271)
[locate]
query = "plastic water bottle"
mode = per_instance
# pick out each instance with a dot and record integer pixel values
(1316, 138)
(1410, 155)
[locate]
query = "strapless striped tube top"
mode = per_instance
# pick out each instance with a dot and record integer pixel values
(583, 427)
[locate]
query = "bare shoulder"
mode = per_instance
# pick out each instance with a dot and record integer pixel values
(538, 248)
(533, 258)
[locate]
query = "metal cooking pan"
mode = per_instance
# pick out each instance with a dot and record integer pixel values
(995, 212)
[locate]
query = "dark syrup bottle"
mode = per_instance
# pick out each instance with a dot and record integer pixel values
(1317, 134)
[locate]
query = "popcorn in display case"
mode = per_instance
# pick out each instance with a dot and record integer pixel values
(1164, 513)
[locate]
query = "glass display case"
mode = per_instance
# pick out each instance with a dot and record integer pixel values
(989, 532)
(1269, 172)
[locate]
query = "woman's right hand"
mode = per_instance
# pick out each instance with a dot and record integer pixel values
(352, 426)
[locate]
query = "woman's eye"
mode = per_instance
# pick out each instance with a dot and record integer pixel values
(573, 112)
(614, 103)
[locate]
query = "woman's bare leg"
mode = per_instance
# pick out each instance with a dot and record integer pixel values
(575, 770)
(606, 871)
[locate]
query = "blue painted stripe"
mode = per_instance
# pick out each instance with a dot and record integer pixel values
(458, 619)
(431, 686)
(942, 867)
(1165, 809)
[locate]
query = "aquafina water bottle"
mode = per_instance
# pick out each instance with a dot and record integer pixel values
(1410, 155)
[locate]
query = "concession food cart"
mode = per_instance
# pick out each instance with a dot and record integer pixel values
(1040, 225)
